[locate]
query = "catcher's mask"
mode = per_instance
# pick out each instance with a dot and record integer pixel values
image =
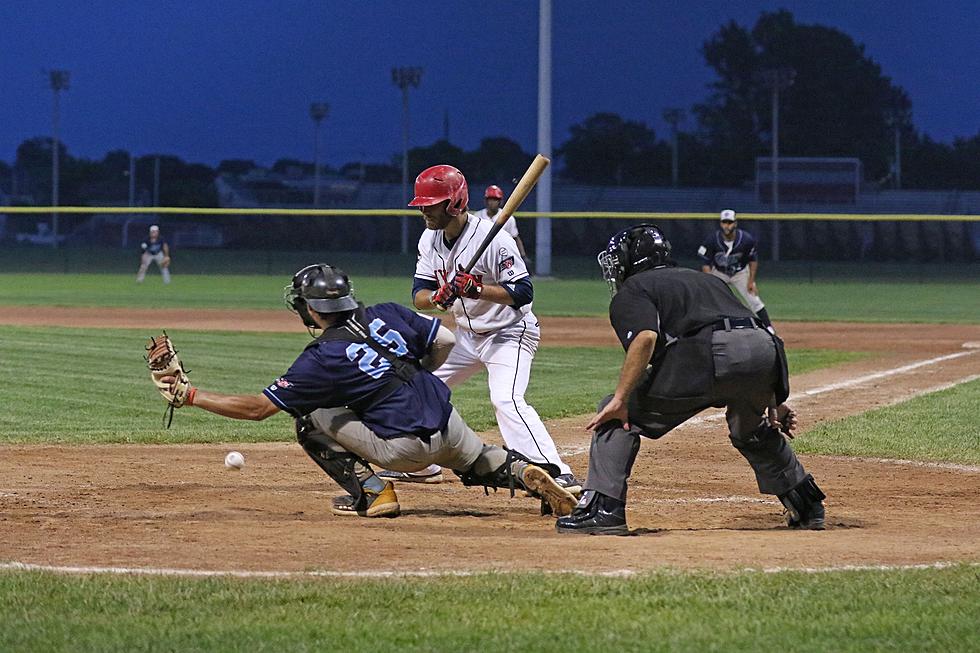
(321, 287)
(633, 250)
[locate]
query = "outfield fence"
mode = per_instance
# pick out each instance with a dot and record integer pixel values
(267, 240)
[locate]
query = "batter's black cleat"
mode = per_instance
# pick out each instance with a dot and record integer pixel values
(570, 483)
(595, 514)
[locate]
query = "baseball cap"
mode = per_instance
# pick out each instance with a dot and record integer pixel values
(728, 215)
(153, 227)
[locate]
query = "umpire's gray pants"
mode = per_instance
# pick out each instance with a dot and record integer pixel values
(744, 361)
(456, 447)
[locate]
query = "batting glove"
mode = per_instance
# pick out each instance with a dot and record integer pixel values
(444, 297)
(468, 285)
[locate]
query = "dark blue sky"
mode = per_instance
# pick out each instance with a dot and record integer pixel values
(214, 80)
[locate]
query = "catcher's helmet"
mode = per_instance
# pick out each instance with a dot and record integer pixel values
(441, 183)
(494, 192)
(323, 288)
(633, 250)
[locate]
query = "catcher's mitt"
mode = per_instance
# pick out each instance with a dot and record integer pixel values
(163, 362)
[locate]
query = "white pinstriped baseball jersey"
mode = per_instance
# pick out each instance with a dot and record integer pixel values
(501, 263)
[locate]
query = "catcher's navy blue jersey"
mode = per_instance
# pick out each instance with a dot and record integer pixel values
(335, 373)
(728, 257)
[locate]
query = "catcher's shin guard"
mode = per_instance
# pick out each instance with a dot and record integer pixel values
(340, 466)
(517, 472)
(804, 505)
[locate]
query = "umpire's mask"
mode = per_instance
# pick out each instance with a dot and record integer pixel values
(633, 250)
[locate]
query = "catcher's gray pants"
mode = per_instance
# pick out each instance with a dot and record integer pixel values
(744, 375)
(457, 447)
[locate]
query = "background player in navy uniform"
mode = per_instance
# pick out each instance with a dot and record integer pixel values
(363, 393)
(706, 349)
(154, 250)
(731, 255)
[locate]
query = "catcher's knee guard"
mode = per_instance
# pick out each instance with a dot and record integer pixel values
(804, 505)
(340, 466)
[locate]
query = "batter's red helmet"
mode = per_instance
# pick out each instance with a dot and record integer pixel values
(441, 183)
(494, 192)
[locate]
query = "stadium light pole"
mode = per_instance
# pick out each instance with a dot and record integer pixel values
(405, 77)
(673, 117)
(59, 82)
(776, 79)
(542, 227)
(318, 111)
(895, 118)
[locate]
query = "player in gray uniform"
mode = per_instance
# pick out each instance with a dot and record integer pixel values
(703, 349)
(731, 254)
(154, 250)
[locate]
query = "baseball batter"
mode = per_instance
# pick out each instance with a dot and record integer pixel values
(495, 328)
(492, 199)
(362, 392)
(154, 250)
(731, 255)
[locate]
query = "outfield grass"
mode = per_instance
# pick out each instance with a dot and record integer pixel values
(940, 426)
(909, 610)
(785, 299)
(91, 385)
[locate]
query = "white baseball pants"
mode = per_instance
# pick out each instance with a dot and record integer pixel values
(740, 282)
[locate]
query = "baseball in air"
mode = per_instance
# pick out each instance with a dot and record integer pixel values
(234, 460)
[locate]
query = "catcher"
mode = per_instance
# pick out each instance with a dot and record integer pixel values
(363, 393)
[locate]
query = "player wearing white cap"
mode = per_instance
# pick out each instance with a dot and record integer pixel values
(495, 328)
(154, 250)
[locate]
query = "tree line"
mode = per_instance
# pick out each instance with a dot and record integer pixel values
(840, 103)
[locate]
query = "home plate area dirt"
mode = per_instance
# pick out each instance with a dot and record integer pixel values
(693, 501)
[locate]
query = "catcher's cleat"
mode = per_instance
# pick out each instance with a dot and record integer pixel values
(424, 476)
(595, 514)
(383, 504)
(539, 482)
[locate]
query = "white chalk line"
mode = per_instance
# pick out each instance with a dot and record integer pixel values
(433, 573)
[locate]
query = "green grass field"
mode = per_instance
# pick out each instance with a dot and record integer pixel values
(881, 301)
(910, 610)
(84, 385)
(94, 387)
(941, 426)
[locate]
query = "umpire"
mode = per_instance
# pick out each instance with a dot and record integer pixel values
(703, 349)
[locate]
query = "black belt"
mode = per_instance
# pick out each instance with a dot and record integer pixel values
(729, 323)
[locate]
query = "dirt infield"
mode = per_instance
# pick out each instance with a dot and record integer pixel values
(693, 500)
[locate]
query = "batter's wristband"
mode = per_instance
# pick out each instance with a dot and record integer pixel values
(190, 396)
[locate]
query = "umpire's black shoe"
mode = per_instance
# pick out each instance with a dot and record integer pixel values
(813, 520)
(595, 514)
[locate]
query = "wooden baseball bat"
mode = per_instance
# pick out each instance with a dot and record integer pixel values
(521, 191)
